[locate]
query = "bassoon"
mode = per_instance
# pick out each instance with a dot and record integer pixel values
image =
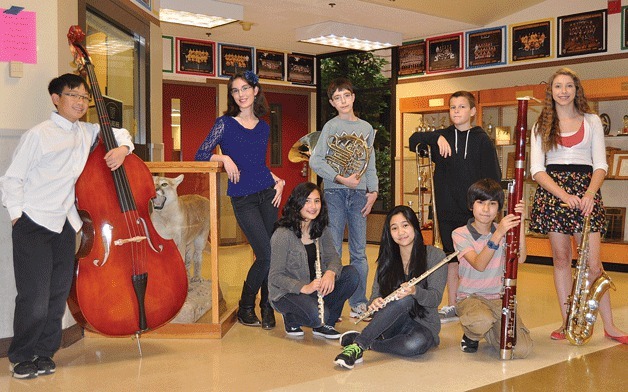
(508, 337)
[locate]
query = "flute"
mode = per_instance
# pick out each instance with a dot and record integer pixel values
(319, 275)
(395, 294)
(508, 336)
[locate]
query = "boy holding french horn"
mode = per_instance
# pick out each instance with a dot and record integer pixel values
(345, 159)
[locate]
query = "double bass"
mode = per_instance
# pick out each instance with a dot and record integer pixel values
(128, 279)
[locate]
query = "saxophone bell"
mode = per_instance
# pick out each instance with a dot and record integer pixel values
(584, 300)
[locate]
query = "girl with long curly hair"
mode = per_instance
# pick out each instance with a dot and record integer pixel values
(568, 161)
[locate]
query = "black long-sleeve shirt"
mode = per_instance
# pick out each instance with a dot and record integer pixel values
(473, 157)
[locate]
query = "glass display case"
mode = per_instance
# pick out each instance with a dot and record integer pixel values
(215, 278)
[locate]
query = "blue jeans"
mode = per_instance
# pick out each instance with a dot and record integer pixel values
(345, 206)
(393, 331)
(256, 216)
(302, 309)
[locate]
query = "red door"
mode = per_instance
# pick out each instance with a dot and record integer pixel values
(197, 106)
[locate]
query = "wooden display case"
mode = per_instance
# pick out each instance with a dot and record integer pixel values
(221, 317)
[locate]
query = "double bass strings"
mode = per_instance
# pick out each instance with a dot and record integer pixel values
(125, 196)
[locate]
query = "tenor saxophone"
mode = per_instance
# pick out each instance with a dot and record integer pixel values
(585, 298)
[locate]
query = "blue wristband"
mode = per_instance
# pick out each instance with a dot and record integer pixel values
(492, 245)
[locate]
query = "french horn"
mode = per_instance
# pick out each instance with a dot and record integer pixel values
(347, 154)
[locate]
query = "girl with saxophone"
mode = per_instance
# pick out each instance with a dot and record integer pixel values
(301, 250)
(568, 161)
(410, 325)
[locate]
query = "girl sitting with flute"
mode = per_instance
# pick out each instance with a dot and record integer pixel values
(409, 325)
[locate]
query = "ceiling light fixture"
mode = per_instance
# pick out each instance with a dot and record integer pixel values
(348, 36)
(201, 13)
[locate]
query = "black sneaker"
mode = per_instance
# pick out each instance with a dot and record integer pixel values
(291, 331)
(349, 356)
(45, 365)
(26, 369)
(467, 345)
(326, 331)
(348, 338)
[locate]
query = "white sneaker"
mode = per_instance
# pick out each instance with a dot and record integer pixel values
(358, 311)
(447, 314)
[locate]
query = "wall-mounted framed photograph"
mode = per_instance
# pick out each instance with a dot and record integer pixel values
(486, 47)
(582, 33)
(531, 40)
(444, 53)
(196, 57)
(301, 68)
(270, 65)
(411, 58)
(235, 59)
(168, 51)
(624, 27)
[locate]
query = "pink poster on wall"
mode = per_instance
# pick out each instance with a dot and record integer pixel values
(18, 35)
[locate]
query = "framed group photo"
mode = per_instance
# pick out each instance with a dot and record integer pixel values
(235, 59)
(412, 59)
(582, 33)
(270, 65)
(196, 57)
(301, 68)
(486, 47)
(531, 40)
(444, 53)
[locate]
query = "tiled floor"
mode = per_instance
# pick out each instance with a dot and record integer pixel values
(251, 359)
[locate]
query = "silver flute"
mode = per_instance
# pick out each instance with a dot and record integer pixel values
(395, 294)
(319, 275)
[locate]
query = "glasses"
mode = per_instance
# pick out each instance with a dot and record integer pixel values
(338, 98)
(77, 97)
(241, 90)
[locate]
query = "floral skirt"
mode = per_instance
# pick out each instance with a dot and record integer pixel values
(548, 215)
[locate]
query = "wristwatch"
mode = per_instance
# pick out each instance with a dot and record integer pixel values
(492, 245)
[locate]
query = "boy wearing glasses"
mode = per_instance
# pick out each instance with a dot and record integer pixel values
(38, 192)
(350, 196)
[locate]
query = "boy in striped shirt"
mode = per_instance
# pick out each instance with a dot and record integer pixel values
(482, 256)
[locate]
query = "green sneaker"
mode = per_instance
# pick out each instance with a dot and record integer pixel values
(349, 356)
